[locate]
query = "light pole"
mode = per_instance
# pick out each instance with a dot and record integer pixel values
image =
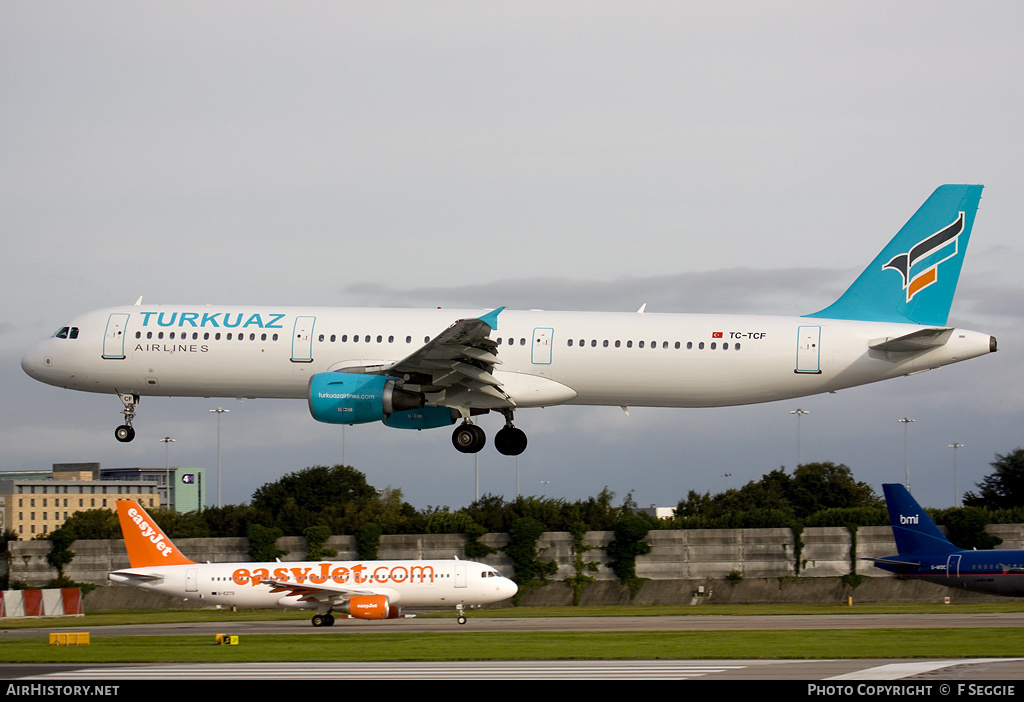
(956, 490)
(167, 468)
(799, 450)
(906, 450)
(219, 411)
(727, 476)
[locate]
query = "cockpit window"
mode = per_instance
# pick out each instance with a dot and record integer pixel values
(66, 333)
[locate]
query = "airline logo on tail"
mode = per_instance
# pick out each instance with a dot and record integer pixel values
(919, 266)
(147, 545)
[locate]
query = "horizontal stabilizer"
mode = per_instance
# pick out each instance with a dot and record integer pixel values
(140, 577)
(920, 340)
(893, 561)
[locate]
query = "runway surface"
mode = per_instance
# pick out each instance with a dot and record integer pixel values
(750, 670)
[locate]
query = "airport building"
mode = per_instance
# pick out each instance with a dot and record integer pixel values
(34, 503)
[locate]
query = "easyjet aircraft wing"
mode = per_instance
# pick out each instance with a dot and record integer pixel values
(322, 593)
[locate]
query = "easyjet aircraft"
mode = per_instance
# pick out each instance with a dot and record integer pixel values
(426, 368)
(360, 589)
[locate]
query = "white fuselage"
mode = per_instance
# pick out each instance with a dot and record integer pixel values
(434, 583)
(546, 358)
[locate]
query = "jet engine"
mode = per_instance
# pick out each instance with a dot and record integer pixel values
(369, 607)
(355, 398)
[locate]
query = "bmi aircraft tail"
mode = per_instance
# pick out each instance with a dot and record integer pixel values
(914, 278)
(146, 543)
(913, 529)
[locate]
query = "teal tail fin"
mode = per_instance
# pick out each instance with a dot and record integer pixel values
(914, 278)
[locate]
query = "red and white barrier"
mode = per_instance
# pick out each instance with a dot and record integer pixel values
(41, 603)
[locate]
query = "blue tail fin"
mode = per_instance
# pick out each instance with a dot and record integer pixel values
(913, 529)
(913, 279)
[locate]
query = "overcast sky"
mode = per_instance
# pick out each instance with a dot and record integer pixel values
(743, 157)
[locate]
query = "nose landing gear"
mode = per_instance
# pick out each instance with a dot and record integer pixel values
(126, 432)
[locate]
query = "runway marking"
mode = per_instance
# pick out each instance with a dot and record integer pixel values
(480, 670)
(899, 671)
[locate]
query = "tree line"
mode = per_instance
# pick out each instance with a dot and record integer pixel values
(340, 499)
(320, 501)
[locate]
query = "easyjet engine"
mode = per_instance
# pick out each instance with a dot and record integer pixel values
(369, 607)
(357, 398)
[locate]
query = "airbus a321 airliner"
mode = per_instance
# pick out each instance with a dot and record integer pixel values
(426, 368)
(360, 589)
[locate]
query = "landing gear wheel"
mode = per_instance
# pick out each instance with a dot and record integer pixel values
(462, 620)
(461, 610)
(320, 620)
(125, 432)
(469, 438)
(510, 441)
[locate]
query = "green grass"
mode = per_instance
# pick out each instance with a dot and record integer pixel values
(32, 645)
(227, 616)
(467, 645)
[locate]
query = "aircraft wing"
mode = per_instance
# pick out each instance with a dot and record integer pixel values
(333, 594)
(454, 369)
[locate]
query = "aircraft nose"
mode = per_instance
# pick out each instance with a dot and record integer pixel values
(30, 361)
(36, 362)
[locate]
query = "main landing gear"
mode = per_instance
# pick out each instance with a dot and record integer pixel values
(323, 619)
(470, 438)
(126, 432)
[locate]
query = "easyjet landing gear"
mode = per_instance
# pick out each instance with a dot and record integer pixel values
(462, 613)
(469, 438)
(323, 619)
(126, 432)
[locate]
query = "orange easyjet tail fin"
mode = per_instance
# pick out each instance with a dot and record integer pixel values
(147, 545)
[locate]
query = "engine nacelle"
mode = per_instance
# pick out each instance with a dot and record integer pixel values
(355, 398)
(369, 607)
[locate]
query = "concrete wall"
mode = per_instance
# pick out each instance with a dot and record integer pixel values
(680, 562)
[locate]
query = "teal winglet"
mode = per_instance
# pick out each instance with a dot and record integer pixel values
(491, 318)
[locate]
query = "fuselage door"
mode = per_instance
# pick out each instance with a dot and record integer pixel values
(542, 346)
(302, 340)
(953, 567)
(460, 575)
(191, 579)
(808, 351)
(113, 338)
